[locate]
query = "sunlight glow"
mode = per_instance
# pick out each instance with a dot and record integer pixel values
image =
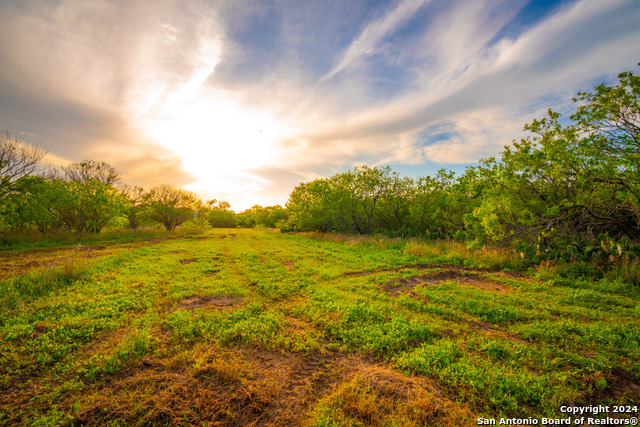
(218, 140)
(215, 136)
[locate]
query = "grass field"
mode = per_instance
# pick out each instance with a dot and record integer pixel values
(254, 327)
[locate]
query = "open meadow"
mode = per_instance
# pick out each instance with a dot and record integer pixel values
(255, 327)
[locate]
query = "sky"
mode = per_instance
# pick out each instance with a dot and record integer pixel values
(241, 100)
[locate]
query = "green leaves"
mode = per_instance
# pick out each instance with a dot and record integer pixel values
(52, 204)
(171, 206)
(366, 200)
(579, 179)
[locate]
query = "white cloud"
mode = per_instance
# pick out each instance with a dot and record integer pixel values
(556, 57)
(366, 43)
(458, 41)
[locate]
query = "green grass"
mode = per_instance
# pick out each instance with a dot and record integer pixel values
(240, 326)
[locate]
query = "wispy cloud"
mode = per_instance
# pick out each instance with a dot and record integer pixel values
(367, 41)
(557, 57)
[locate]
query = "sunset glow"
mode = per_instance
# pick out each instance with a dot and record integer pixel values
(215, 137)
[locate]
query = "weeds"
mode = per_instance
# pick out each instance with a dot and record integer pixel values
(627, 271)
(26, 288)
(275, 329)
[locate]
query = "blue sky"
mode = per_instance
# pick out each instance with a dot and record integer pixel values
(242, 100)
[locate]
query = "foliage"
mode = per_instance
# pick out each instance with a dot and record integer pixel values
(82, 198)
(30, 205)
(268, 216)
(86, 206)
(361, 200)
(171, 206)
(574, 181)
(366, 200)
(439, 205)
(552, 195)
(52, 204)
(308, 207)
(136, 213)
(220, 215)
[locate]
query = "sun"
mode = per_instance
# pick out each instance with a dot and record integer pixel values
(219, 140)
(216, 136)
(222, 142)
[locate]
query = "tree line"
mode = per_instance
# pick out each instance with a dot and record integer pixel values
(570, 190)
(88, 196)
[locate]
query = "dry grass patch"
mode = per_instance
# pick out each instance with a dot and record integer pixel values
(67, 259)
(245, 386)
(372, 394)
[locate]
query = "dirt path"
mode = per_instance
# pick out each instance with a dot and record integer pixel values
(15, 264)
(444, 273)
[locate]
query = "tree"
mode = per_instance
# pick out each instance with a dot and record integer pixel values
(371, 186)
(47, 204)
(89, 169)
(87, 198)
(575, 181)
(17, 159)
(29, 206)
(362, 200)
(438, 205)
(220, 215)
(266, 216)
(309, 208)
(277, 215)
(135, 209)
(395, 206)
(171, 206)
(86, 206)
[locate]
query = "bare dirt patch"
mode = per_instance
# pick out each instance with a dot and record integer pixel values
(188, 261)
(106, 341)
(457, 274)
(212, 272)
(199, 237)
(460, 275)
(620, 384)
(220, 302)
